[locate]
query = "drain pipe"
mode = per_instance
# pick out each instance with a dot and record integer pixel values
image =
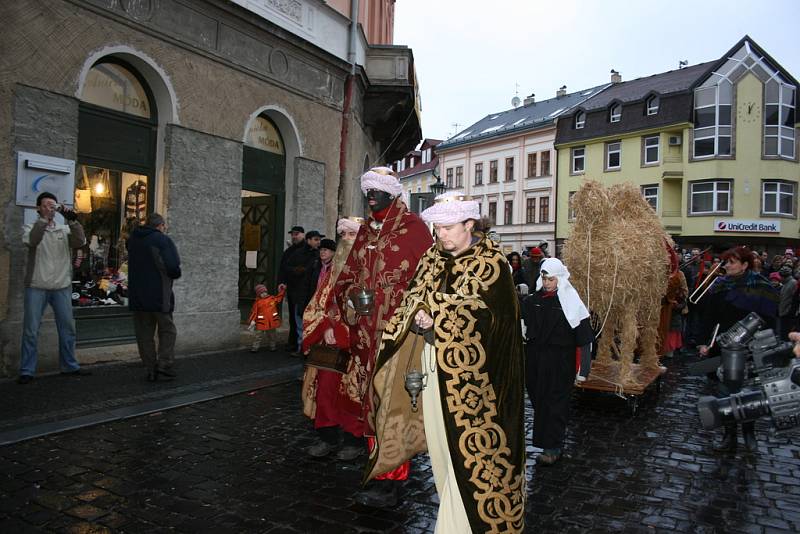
(348, 98)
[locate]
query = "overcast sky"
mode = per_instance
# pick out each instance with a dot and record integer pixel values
(470, 54)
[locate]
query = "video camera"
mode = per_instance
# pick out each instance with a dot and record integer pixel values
(748, 351)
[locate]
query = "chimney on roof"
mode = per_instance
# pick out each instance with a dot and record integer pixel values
(530, 99)
(562, 91)
(616, 77)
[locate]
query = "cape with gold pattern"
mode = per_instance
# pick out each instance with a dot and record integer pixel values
(478, 342)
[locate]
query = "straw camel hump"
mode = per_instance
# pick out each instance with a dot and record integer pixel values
(620, 267)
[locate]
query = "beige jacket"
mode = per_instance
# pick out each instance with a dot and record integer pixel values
(49, 263)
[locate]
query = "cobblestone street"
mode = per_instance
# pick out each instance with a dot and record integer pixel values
(237, 465)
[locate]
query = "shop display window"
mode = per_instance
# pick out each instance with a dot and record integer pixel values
(110, 204)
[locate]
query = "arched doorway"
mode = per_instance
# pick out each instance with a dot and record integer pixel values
(114, 184)
(263, 209)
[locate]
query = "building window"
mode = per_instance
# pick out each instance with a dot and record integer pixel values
(613, 153)
(546, 163)
(508, 212)
(570, 206)
(651, 150)
(493, 213)
(479, 174)
(615, 113)
(578, 160)
(509, 169)
(652, 105)
(779, 117)
(580, 120)
(650, 194)
(544, 209)
(710, 197)
(712, 120)
(777, 198)
(493, 171)
(449, 180)
(531, 164)
(459, 176)
(530, 210)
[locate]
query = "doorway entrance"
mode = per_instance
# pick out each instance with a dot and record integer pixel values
(263, 208)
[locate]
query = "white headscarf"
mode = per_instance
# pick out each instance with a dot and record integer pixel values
(574, 309)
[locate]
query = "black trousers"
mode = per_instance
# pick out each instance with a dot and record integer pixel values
(550, 377)
(145, 325)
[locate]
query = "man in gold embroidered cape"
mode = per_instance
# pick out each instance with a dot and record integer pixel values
(462, 296)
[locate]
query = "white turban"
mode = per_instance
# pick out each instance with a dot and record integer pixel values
(348, 224)
(574, 309)
(451, 208)
(381, 179)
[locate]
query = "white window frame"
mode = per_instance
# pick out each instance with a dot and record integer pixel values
(716, 191)
(781, 132)
(717, 126)
(574, 157)
(780, 185)
(580, 120)
(653, 103)
(617, 151)
(657, 147)
(615, 113)
(647, 193)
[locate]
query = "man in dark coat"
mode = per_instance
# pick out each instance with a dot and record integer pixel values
(153, 264)
(299, 285)
(531, 266)
(298, 241)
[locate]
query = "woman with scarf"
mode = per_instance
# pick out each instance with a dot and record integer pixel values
(515, 261)
(557, 325)
(730, 299)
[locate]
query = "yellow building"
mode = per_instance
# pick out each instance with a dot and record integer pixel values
(712, 146)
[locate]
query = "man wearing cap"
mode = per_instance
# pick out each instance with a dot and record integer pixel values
(324, 394)
(300, 285)
(531, 266)
(462, 300)
(297, 240)
(383, 260)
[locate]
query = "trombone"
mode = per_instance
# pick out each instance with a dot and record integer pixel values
(705, 285)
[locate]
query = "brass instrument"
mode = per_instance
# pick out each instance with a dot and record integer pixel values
(705, 285)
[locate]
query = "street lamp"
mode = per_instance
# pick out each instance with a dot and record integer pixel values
(438, 188)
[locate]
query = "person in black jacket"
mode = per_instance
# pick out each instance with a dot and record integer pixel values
(299, 269)
(153, 264)
(298, 237)
(557, 323)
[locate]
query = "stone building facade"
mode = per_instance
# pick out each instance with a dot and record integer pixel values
(236, 122)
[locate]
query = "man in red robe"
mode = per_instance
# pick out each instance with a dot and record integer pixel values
(383, 260)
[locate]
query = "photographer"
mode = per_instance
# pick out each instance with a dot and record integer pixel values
(730, 299)
(48, 280)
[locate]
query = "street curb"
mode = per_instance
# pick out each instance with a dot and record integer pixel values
(278, 376)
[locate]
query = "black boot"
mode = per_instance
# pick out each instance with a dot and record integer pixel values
(379, 494)
(749, 435)
(728, 443)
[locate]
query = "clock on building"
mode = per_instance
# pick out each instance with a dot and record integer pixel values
(748, 112)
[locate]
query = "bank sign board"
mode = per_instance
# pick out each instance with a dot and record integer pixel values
(739, 225)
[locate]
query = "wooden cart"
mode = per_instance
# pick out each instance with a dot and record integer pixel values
(604, 378)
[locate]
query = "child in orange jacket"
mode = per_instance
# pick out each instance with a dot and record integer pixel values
(264, 317)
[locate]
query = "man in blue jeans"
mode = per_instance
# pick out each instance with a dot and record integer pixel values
(48, 280)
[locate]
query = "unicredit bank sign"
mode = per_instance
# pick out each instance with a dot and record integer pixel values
(738, 225)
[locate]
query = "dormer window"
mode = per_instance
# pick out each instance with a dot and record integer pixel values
(652, 105)
(615, 113)
(580, 120)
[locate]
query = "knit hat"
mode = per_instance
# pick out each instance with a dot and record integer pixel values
(330, 244)
(775, 277)
(450, 208)
(381, 179)
(536, 251)
(260, 288)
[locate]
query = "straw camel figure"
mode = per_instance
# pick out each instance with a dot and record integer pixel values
(619, 265)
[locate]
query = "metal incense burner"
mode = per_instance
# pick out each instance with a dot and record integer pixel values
(363, 300)
(415, 383)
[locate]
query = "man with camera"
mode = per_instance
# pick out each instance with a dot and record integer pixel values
(48, 280)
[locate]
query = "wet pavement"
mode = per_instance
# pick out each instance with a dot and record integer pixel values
(237, 465)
